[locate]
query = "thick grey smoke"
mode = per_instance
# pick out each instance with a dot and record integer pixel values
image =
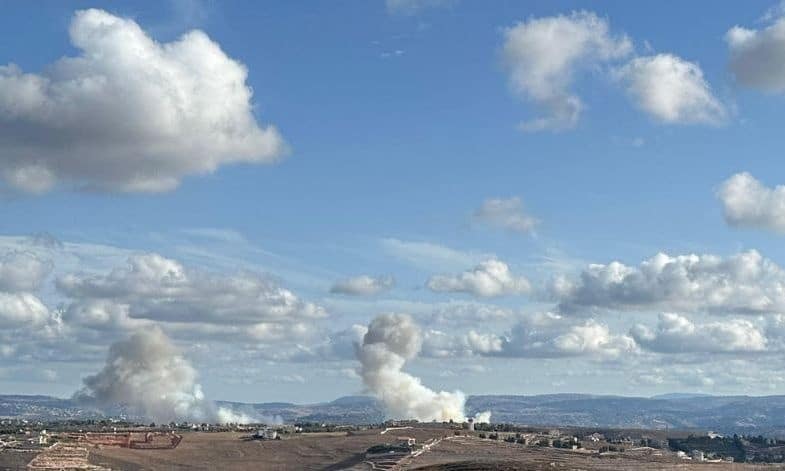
(391, 340)
(147, 373)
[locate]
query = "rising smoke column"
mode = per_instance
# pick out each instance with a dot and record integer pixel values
(391, 340)
(147, 373)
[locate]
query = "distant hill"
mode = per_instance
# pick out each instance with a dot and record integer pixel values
(724, 414)
(680, 396)
(344, 410)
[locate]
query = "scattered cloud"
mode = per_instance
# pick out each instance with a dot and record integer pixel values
(746, 202)
(443, 344)
(22, 271)
(757, 57)
(542, 55)
(363, 285)
(128, 114)
(188, 304)
(412, 7)
(677, 334)
(548, 335)
(457, 313)
(20, 310)
(490, 278)
(743, 283)
(157, 288)
(389, 54)
(21, 274)
(506, 214)
(671, 89)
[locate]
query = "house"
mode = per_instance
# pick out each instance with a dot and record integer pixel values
(596, 437)
(265, 434)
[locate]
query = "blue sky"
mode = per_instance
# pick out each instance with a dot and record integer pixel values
(399, 125)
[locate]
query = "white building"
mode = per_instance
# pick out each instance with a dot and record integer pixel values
(265, 434)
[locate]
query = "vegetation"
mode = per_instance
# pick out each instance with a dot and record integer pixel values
(720, 447)
(387, 448)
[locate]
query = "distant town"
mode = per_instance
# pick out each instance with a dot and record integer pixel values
(39, 436)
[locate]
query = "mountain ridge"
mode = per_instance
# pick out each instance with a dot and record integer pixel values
(725, 414)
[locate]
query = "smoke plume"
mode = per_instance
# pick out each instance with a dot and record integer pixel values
(148, 374)
(391, 340)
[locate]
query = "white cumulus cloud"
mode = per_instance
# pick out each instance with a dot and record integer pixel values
(757, 57)
(22, 310)
(188, 304)
(542, 55)
(677, 334)
(746, 202)
(22, 271)
(155, 287)
(490, 278)
(548, 335)
(745, 283)
(128, 113)
(671, 89)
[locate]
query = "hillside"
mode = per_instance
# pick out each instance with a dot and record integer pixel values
(725, 414)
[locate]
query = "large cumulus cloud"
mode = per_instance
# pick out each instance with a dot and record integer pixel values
(128, 113)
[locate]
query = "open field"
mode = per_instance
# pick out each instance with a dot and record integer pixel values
(232, 451)
(465, 453)
(333, 451)
(12, 460)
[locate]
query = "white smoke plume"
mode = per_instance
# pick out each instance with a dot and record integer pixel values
(483, 417)
(391, 340)
(147, 373)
